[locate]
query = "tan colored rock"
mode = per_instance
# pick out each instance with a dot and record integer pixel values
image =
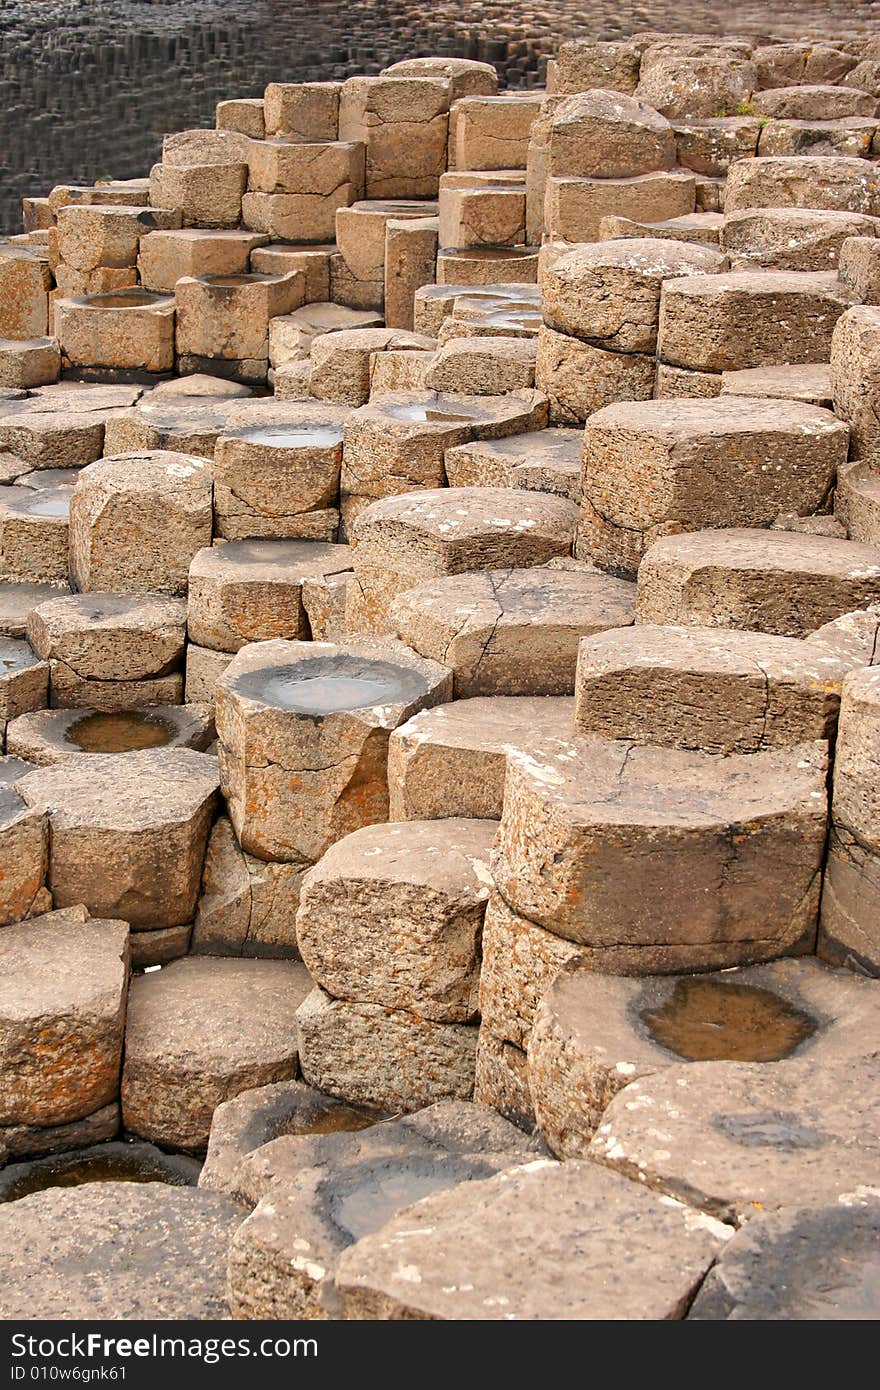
(749, 319)
(410, 263)
(684, 85)
(711, 145)
(606, 134)
(857, 502)
(855, 379)
(291, 335)
(34, 534)
(404, 541)
(737, 844)
(483, 366)
(164, 257)
(62, 1015)
(25, 281)
(859, 267)
(48, 737)
(580, 378)
(252, 591)
(677, 383)
(388, 1058)
(392, 915)
(130, 329)
(809, 382)
(35, 362)
(361, 231)
(244, 114)
(582, 64)
(574, 207)
(246, 907)
(23, 679)
(706, 688)
(283, 166)
(303, 110)
(403, 123)
(850, 138)
(303, 217)
(228, 316)
(203, 671)
(128, 832)
(396, 444)
(809, 181)
(654, 468)
(704, 228)
(465, 77)
(781, 64)
(342, 363)
(451, 760)
(89, 237)
(200, 1032)
(547, 460)
(492, 132)
(483, 265)
(24, 846)
(510, 632)
(810, 101)
(790, 238)
(766, 581)
(493, 216)
(207, 195)
(304, 729)
(501, 1080)
(277, 258)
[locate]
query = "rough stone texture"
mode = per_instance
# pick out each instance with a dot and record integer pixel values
(403, 122)
(117, 1250)
(579, 378)
(574, 208)
(858, 267)
(790, 238)
(252, 590)
(501, 1080)
(62, 1015)
(857, 502)
(186, 424)
(47, 737)
(855, 379)
(24, 849)
(34, 533)
(36, 362)
(246, 907)
(471, 1254)
(241, 1127)
(606, 134)
(850, 137)
(547, 460)
(29, 1141)
(23, 679)
(808, 181)
(709, 146)
(404, 541)
(388, 1058)
(198, 1033)
(17, 601)
(780, 582)
(397, 443)
(342, 362)
(811, 100)
(119, 329)
(709, 688)
(738, 1137)
(736, 842)
(164, 257)
(207, 195)
(510, 632)
(655, 468)
(594, 1034)
(451, 760)
(323, 598)
(485, 366)
(392, 915)
(796, 1264)
(128, 832)
(684, 85)
(296, 779)
(609, 292)
(749, 318)
(203, 671)
(137, 520)
(331, 1190)
(809, 382)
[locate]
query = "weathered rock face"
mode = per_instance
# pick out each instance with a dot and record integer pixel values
(331, 1190)
(594, 1034)
(475, 1248)
(580, 822)
(304, 729)
(128, 832)
(739, 1135)
(62, 1015)
(24, 848)
(199, 1033)
(139, 1250)
(393, 914)
(246, 907)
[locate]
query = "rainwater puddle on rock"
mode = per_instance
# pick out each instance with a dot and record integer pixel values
(706, 1021)
(328, 686)
(122, 732)
(125, 299)
(340, 1119)
(292, 436)
(232, 282)
(15, 655)
(431, 413)
(109, 1163)
(380, 1195)
(44, 505)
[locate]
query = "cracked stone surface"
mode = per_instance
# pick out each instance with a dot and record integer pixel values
(24, 848)
(304, 729)
(709, 688)
(451, 760)
(511, 632)
(548, 460)
(117, 1249)
(393, 915)
(62, 1015)
(594, 1034)
(198, 1033)
(128, 832)
(606, 1249)
(735, 1138)
(47, 737)
(736, 842)
(331, 1190)
(246, 907)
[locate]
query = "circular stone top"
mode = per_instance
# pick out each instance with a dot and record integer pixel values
(239, 281)
(331, 684)
(449, 410)
(187, 414)
(259, 559)
(15, 655)
(705, 1020)
(126, 299)
(51, 736)
(42, 479)
(305, 436)
(126, 792)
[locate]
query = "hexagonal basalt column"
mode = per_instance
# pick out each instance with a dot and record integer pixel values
(304, 733)
(397, 443)
(252, 591)
(588, 833)
(277, 470)
(405, 541)
(162, 499)
(47, 737)
(111, 651)
(226, 317)
(402, 122)
(24, 849)
(129, 329)
(176, 424)
(34, 533)
(128, 832)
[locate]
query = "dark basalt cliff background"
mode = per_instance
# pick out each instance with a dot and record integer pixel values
(88, 89)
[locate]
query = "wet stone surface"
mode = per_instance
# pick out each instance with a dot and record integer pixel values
(329, 685)
(112, 1162)
(704, 1020)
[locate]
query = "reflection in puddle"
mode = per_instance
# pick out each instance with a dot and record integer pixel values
(291, 436)
(325, 686)
(380, 1195)
(122, 732)
(704, 1020)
